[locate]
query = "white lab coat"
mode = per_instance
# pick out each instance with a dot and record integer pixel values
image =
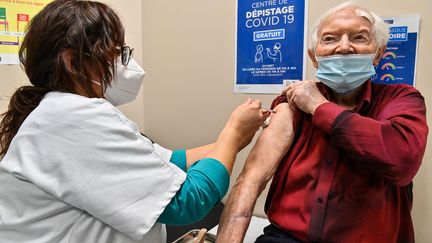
(79, 171)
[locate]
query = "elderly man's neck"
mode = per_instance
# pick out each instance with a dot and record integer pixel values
(350, 100)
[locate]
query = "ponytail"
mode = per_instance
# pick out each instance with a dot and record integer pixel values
(22, 103)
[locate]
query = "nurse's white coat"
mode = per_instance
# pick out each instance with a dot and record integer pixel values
(79, 171)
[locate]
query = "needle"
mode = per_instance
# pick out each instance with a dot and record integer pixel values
(268, 109)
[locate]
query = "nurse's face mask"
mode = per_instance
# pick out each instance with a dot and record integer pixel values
(128, 79)
(126, 84)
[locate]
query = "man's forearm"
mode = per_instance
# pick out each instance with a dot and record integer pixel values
(261, 163)
(238, 210)
(241, 201)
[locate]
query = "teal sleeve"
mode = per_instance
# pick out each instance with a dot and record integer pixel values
(206, 183)
(178, 158)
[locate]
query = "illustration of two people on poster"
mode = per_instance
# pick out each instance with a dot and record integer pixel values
(275, 55)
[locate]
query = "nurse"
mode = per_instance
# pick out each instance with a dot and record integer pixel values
(74, 168)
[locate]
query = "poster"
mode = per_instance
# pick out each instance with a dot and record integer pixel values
(14, 17)
(398, 64)
(270, 44)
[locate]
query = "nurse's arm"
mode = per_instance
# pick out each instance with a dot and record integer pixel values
(207, 180)
(184, 159)
(262, 162)
(198, 153)
(195, 154)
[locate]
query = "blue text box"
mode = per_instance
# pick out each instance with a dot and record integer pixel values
(399, 33)
(278, 34)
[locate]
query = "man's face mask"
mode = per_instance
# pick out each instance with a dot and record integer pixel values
(126, 84)
(344, 73)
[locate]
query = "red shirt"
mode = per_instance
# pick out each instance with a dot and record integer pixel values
(348, 175)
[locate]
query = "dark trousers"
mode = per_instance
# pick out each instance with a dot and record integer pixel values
(273, 234)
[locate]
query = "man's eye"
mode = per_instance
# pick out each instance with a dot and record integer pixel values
(361, 38)
(328, 39)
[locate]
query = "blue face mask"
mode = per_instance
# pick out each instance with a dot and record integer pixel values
(344, 73)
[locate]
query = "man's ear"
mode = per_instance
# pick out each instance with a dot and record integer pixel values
(312, 57)
(378, 55)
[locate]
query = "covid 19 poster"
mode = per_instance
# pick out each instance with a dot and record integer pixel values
(15, 15)
(270, 44)
(398, 63)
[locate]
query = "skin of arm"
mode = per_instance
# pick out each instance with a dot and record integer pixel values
(261, 163)
(244, 121)
(195, 154)
(238, 132)
(241, 127)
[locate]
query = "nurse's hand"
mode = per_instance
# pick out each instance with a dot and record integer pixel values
(246, 119)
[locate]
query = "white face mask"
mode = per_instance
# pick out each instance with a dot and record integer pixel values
(126, 84)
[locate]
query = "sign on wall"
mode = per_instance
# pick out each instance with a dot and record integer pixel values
(14, 17)
(270, 44)
(398, 63)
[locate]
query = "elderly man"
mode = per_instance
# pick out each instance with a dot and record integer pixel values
(351, 148)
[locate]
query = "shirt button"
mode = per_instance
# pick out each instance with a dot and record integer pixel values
(319, 200)
(329, 162)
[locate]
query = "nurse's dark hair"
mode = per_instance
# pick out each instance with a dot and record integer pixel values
(89, 32)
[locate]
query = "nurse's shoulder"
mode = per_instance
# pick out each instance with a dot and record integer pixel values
(59, 109)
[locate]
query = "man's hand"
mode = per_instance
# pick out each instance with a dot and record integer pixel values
(304, 95)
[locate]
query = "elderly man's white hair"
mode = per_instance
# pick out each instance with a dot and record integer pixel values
(380, 29)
